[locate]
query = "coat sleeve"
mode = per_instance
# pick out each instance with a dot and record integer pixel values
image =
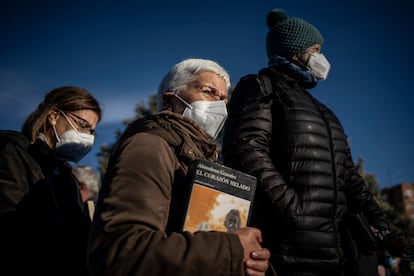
(246, 142)
(128, 234)
(360, 197)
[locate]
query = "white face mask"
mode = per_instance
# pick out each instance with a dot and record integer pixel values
(73, 145)
(318, 66)
(210, 115)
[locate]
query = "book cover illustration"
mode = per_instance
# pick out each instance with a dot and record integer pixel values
(220, 198)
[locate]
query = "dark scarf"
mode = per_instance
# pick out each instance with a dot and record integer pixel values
(179, 131)
(304, 77)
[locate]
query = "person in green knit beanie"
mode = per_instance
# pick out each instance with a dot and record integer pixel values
(298, 150)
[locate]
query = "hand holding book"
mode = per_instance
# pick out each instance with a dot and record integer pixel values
(220, 199)
(255, 257)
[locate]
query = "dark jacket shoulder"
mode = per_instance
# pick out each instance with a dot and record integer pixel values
(15, 137)
(17, 169)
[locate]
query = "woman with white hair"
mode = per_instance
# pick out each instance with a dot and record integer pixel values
(136, 228)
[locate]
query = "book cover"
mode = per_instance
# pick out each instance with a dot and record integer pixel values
(219, 198)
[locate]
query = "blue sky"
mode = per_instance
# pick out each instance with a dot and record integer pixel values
(120, 50)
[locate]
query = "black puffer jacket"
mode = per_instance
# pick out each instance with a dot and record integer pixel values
(298, 150)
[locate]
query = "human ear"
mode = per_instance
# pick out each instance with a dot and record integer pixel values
(166, 100)
(52, 117)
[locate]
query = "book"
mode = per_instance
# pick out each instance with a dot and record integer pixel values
(219, 198)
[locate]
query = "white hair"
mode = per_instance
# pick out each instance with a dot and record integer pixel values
(185, 72)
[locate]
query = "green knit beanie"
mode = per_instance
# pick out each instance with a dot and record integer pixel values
(288, 36)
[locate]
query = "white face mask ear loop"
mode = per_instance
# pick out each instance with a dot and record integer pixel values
(181, 99)
(54, 130)
(298, 60)
(67, 119)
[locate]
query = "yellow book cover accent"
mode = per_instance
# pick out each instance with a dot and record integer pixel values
(219, 199)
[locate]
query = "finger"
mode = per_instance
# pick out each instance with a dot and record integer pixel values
(257, 233)
(252, 272)
(262, 254)
(258, 266)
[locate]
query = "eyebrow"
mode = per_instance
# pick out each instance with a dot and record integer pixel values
(214, 89)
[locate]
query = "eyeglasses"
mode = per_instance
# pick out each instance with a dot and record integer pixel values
(83, 125)
(208, 91)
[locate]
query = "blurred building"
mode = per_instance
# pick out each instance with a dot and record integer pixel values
(401, 197)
